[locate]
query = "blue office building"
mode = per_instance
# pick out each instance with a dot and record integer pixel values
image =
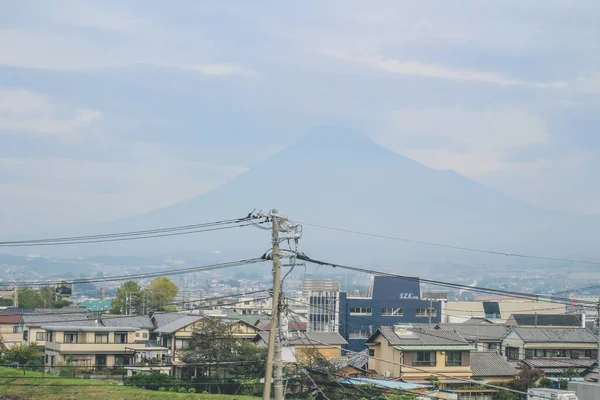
(390, 301)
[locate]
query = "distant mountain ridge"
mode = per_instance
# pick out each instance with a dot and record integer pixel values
(339, 178)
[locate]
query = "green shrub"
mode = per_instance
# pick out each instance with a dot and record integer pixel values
(152, 381)
(182, 390)
(162, 389)
(191, 390)
(172, 389)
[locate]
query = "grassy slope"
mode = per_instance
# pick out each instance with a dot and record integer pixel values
(34, 385)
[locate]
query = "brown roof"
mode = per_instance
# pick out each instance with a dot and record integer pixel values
(12, 318)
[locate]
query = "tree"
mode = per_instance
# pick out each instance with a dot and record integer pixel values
(433, 381)
(526, 379)
(24, 355)
(566, 376)
(215, 349)
(119, 304)
(44, 297)
(160, 293)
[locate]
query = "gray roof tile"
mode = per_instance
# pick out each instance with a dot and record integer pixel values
(57, 319)
(162, 319)
(556, 335)
(490, 363)
(139, 321)
(477, 332)
(178, 324)
(416, 337)
(547, 320)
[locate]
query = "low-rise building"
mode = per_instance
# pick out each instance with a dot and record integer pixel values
(497, 311)
(31, 324)
(414, 355)
(10, 330)
(91, 346)
(562, 343)
(307, 345)
(546, 321)
(176, 336)
(483, 337)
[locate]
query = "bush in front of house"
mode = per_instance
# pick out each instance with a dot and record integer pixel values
(153, 381)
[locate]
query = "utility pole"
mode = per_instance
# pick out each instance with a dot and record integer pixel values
(429, 311)
(274, 349)
(16, 297)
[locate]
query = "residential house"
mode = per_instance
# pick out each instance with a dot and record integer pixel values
(92, 346)
(306, 345)
(413, 355)
(491, 367)
(564, 343)
(482, 336)
(10, 330)
(556, 367)
(31, 324)
(142, 322)
(546, 320)
(177, 335)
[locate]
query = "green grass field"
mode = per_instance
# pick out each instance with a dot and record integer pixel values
(35, 385)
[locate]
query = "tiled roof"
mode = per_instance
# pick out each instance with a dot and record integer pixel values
(547, 320)
(10, 318)
(162, 319)
(555, 335)
(490, 363)
(139, 321)
(178, 324)
(480, 332)
(310, 338)
(292, 325)
(417, 337)
(88, 328)
(540, 362)
(75, 319)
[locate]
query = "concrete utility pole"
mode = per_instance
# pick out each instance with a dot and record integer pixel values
(429, 311)
(16, 297)
(274, 349)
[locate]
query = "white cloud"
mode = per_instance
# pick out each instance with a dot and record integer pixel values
(25, 111)
(215, 69)
(416, 68)
(473, 143)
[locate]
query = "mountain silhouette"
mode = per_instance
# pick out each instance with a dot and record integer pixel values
(338, 178)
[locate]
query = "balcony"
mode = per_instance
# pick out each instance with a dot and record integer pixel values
(91, 346)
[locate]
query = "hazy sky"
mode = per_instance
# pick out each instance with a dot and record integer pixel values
(109, 108)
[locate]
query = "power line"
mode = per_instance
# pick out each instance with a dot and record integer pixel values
(170, 272)
(528, 296)
(120, 239)
(447, 246)
(129, 233)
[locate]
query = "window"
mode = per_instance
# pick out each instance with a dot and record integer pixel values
(359, 334)
(49, 336)
(492, 346)
(121, 359)
(539, 353)
(25, 335)
(453, 358)
(391, 312)
(361, 311)
(137, 334)
(46, 360)
(101, 338)
(17, 329)
(557, 353)
(40, 336)
(120, 337)
(70, 337)
(422, 312)
(587, 353)
(145, 335)
(246, 303)
(512, 353)
(426, 358)
(371, 352)
(182, 344)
